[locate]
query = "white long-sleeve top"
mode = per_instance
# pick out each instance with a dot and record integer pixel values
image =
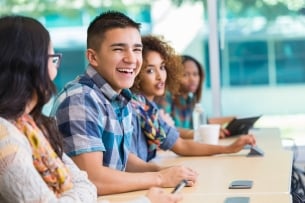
(20, 181)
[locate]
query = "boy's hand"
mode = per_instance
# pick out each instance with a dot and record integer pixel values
(171, 176)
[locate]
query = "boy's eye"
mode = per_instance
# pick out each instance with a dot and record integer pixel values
(138, 50)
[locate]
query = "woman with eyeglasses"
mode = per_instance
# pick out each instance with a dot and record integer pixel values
(33, 167)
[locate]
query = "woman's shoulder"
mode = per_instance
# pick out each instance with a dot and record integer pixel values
(8, 130)
(14, 147)
(11, 139)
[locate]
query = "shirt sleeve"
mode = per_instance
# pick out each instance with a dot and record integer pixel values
(172, 135)
(138, 142)
(80, 120)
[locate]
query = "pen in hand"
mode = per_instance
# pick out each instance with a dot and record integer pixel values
(179, 187)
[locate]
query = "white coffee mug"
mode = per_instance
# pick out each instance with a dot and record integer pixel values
(208, 134)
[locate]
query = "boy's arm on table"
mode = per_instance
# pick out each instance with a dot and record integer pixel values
(111, 181)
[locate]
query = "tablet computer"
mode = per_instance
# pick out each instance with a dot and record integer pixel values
(240, 126)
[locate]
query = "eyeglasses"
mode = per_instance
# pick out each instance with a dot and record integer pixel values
(56, 59)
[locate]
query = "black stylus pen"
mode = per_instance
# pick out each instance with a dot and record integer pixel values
(179, 187)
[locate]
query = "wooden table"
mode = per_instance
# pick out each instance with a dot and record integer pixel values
(271, 173)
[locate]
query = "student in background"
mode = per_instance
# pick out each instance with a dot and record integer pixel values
(33, 167)
(180, 106)
(94, 114)
(160, 71)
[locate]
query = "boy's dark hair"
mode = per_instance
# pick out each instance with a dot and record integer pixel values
(103, 23)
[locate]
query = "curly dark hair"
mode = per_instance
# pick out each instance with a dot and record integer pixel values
(173, 62)
(24, 72)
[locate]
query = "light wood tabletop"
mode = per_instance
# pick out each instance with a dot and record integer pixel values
(271, 173)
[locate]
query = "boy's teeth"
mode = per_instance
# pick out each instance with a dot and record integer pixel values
(126, 70)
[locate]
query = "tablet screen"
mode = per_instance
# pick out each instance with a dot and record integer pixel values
(240, 126)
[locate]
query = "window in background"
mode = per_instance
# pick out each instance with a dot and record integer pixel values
(262, 62)
(73, 63)
(290, 61)
(248, 63)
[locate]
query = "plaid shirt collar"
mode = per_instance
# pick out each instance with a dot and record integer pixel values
(105, 87)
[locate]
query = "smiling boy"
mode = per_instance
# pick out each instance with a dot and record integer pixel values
(94, 114)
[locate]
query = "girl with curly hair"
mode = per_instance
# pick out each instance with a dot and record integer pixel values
(162, 70)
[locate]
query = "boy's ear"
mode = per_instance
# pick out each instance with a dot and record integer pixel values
(91, 56)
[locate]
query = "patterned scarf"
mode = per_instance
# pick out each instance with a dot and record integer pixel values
(47, 163)
(150, 126)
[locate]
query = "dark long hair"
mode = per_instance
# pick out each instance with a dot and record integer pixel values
(24, 44)
(201, 72)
